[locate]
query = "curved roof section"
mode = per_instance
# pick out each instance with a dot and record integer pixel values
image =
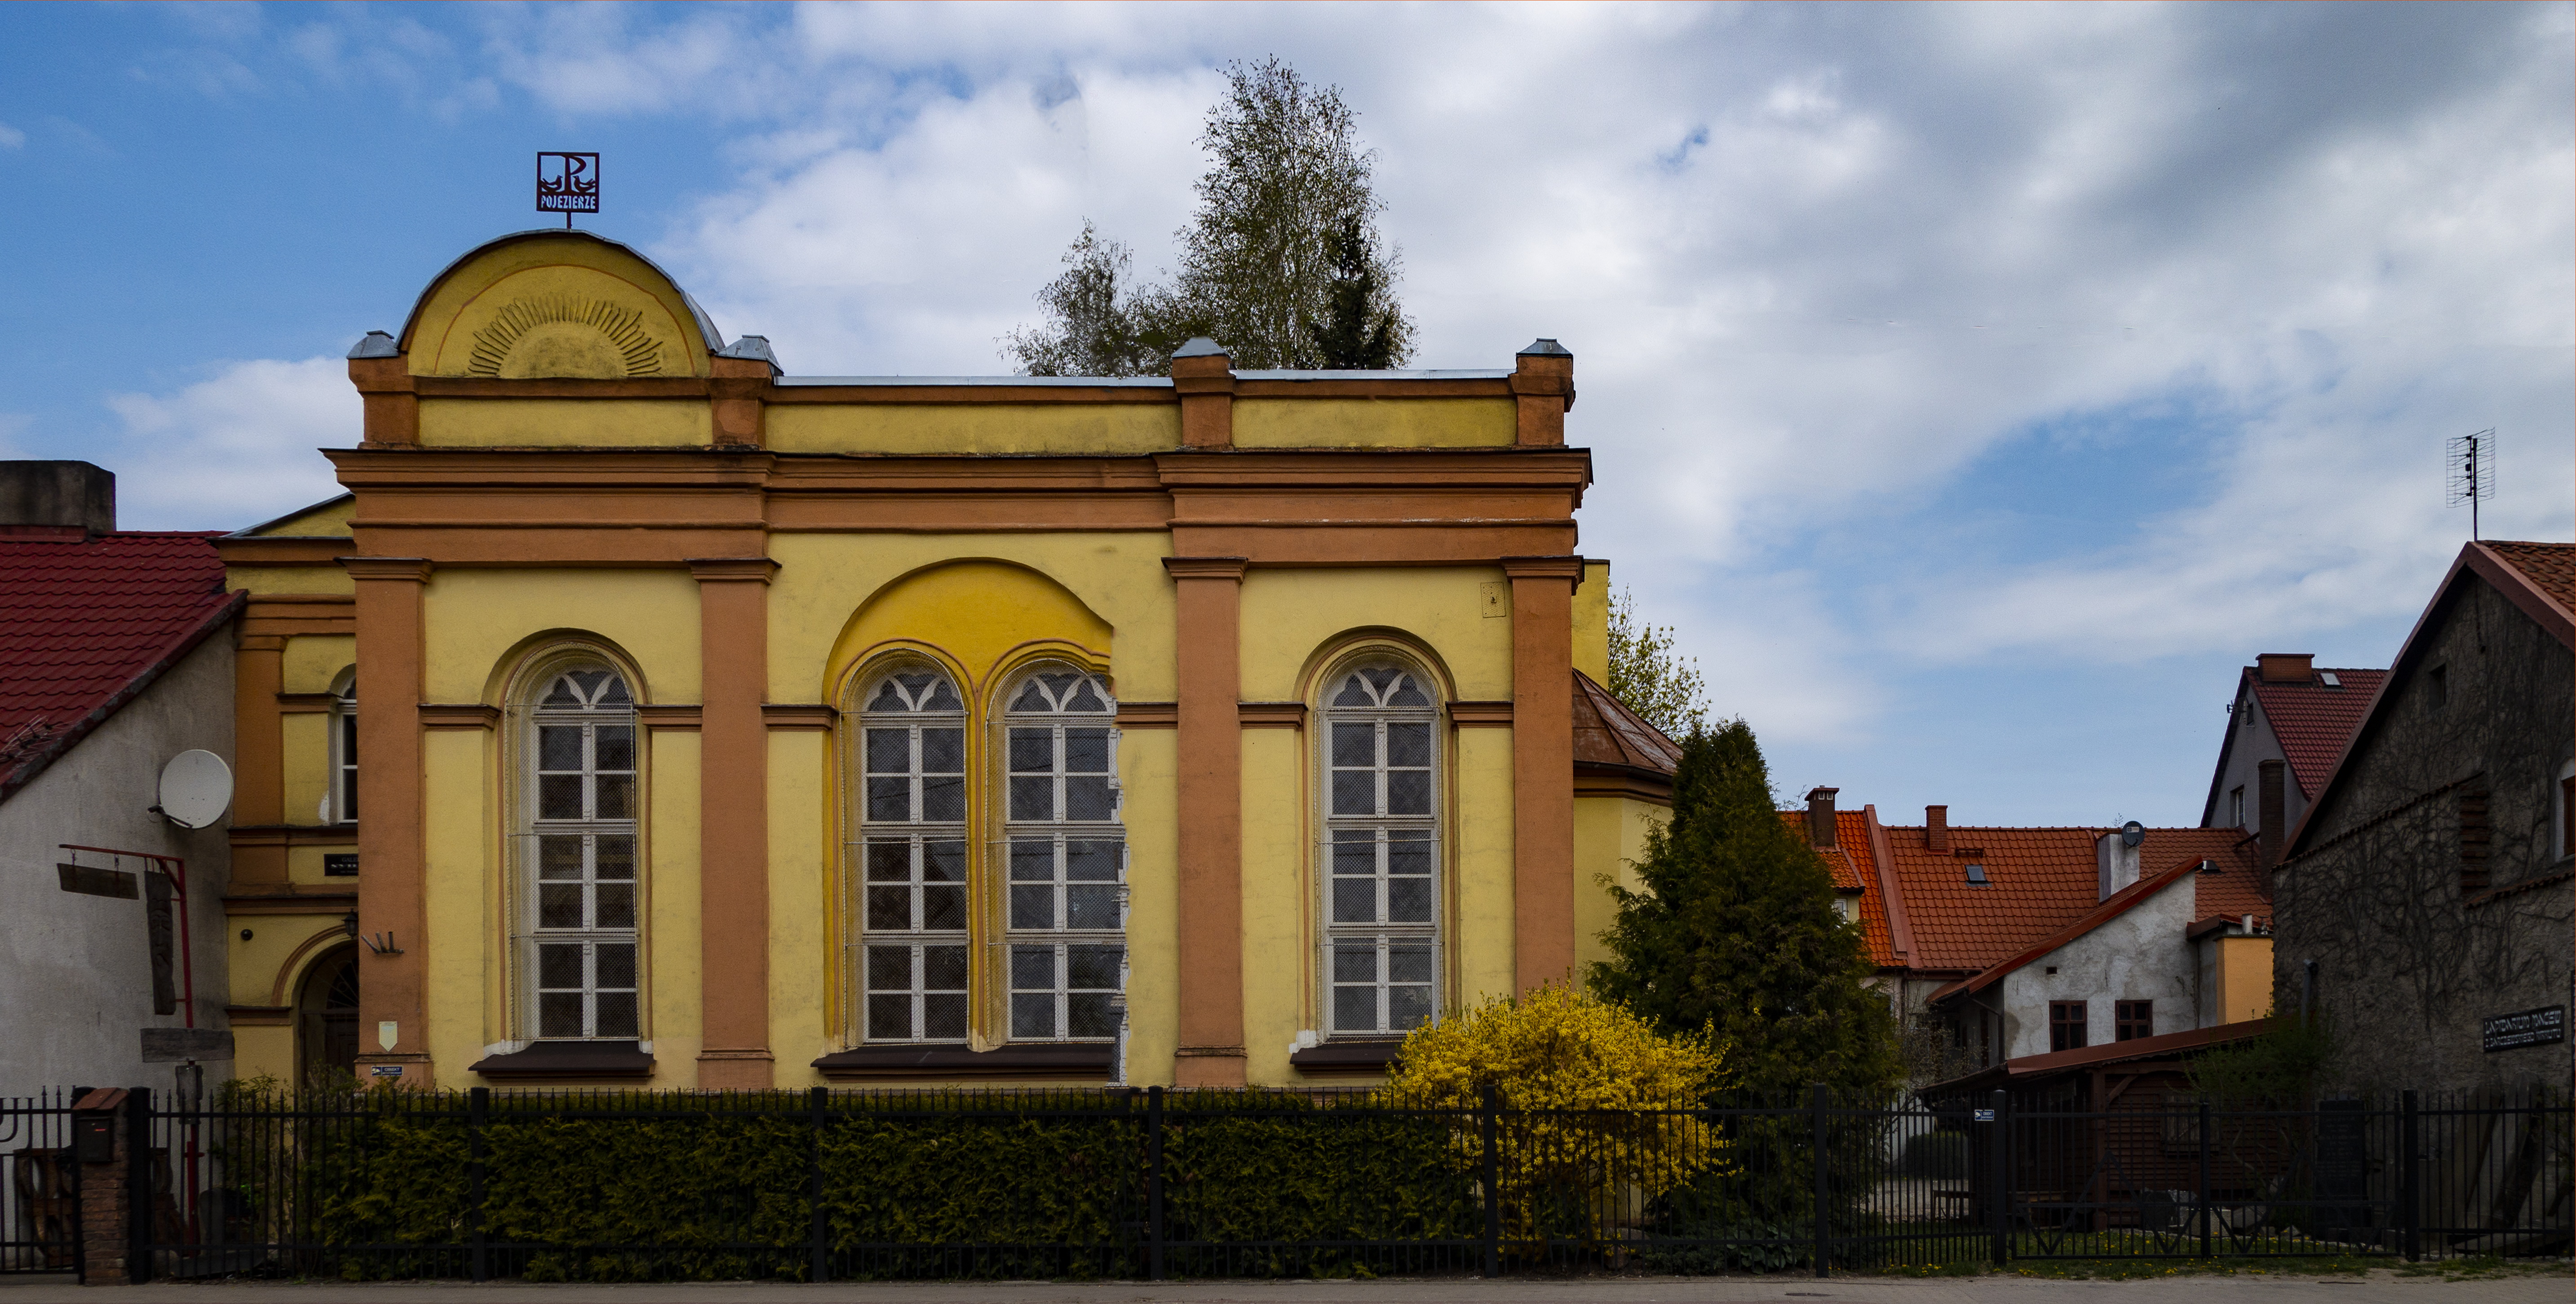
(707, 332)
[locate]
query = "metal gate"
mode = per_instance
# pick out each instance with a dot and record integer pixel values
(40, 1197)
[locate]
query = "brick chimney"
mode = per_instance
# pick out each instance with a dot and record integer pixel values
(57, 499)
(2274, 811)
(2285, 667)
(1936, 828)
(1820, 817)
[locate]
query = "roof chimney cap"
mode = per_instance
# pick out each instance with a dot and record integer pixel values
(2285, 667)
(1200, 346)
(1820, 817)
(41, 497)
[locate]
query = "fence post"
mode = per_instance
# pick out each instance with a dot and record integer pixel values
(478, 1109)
(1823, 1232)
(2206, 1214)
(2409, 1194)
(1487, 1124)
(1153, 1184)
(138, 1186)
(1999, 1178)
(818, 1247)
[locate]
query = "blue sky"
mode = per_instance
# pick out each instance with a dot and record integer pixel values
(1974, 387)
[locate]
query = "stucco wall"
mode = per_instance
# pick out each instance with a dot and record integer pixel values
(2253, 746)
(76, 970)
(2139, 956)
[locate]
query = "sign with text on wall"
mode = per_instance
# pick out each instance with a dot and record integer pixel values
(2539, 1027)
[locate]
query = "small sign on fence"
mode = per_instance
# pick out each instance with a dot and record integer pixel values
(2539, 1027)
(1985, 1116)
(385, 1070)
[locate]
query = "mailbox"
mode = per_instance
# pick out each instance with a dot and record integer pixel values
(94, 1137)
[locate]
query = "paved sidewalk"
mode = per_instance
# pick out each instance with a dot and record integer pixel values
(2378, 1288)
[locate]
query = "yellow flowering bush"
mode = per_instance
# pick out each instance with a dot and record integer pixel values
(1597, 1105)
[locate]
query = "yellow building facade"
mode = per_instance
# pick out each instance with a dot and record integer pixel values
(645, 714)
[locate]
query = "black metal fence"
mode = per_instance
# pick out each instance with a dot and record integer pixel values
(40, 1189)
(825, 1185)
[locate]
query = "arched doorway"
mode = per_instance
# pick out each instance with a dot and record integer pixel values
(326, 1018)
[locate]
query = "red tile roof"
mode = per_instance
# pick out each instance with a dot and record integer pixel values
(2037, 882)
(86, 623)
(1855, 871)
(2551, 567)
(2313, 721)
(1607, 733)
(2229, 881)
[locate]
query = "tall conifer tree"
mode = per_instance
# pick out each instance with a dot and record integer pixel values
(1735, 926)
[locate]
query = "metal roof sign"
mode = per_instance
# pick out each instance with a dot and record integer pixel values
(567, 183)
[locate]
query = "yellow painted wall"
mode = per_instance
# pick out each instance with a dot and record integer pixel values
(290, 579)
(304, 866)
(463, 955)
(267, 1052)
(1280, 955)
(476, 618)
(567, 422)
(940, 428)
(1296, 612)
(312, 662)
(1481, 898)
(979, 613)
(804, 965)
(1375, 423)
(473, 296)
(1148, 769)
(326, 519)
(673, 956)
(1592, 622)
(823, 580)
(2244, 978)
(1609, 838)
(266, 969)
(307, 768)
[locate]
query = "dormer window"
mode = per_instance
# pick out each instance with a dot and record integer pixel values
(2327, 678)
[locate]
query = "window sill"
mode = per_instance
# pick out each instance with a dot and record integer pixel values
(1053, 1062)
(570, 1061)
(1347, 1057)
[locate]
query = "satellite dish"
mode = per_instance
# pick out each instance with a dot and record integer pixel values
(196, 786)
(2132, 833)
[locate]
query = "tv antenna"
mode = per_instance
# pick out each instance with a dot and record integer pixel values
(2470, 460)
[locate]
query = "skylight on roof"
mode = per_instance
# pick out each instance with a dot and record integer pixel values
(2329, 679)
(1977, 875)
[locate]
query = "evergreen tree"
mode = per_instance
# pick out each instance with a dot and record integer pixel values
(1736, 927)
(1359, 330)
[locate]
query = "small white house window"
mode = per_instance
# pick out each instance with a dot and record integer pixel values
(1382, 851)
(2236, 806)
(343, 798)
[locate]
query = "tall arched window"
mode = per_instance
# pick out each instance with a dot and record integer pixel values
(912, 834)
(1382, 850)
(1067, 858)
(340, 805)
(577, 889)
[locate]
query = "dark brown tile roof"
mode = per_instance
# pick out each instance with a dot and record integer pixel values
(1606, 732)
(2313, 721)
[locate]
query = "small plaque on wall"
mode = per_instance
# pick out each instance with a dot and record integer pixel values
(2541, 1027)
(384, 1070)
(341, 864)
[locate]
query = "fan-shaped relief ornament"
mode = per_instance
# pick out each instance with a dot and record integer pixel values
(1066, 692)
(587, 690)
(1381, 687)
(565, 335)
(915, 692)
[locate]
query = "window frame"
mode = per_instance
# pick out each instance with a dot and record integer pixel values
(340, 797)
(2069, 1017)
(532, 830)
(2133, 1020)
(1058, 712)
(926, 949)
(1386, 938)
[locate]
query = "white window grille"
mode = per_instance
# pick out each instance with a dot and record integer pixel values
(578, 904)
(1382, 852)
(913, 933)
(343, 798)
(1067, 857)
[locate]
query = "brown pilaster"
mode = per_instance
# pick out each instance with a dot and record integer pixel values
(1204, 378)
(1543, 384)
(733, 821)
(259, 754)
(738, 391)
(1543, 766)
(392, 893)
(383, 378)
(1210, 746)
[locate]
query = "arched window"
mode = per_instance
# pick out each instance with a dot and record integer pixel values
(912, 832)
(340, 804)
(577, 873)
(1068, 854)
(1382, 845)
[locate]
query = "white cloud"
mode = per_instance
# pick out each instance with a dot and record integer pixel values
(11, 137)
(234, 449)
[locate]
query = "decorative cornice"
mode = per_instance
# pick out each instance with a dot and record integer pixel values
(1569, 569)
(415, 569)
(711, 570)
(295, 903)
(798, 715)
(1149, 715)
(260, 1016)
(1469, 715)
(458, 715)
(1271, 715)
(1206, 568)
(293, 835)
(305, 703)
(1209, 1052)
(676, 716)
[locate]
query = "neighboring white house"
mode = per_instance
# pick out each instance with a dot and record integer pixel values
(2186, 947)
(115, 655)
